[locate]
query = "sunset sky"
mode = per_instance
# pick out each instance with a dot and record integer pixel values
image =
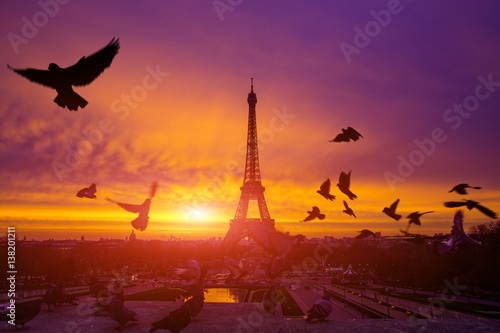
(420, 80)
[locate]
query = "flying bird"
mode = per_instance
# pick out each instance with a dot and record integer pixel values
(456, 238)
(86, 70)
(324, 190)
(190, 273)
(314, 213)
(345, 183)
(348, 210)
(141, 222)
(365, 233)
(391, 211)
(415, 218)
(87, 192)
(472, 204)
(25, 310)
(462, 188)
(347, 135)
(283, 247)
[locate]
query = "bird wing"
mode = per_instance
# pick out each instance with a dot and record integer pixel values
(315, 210)
(486, 211)
(233, 268)
(345, 205)
(87, 69)
(40, 76)
(92, 189)
(260, 234)
(345, 179)
(353, 134)
(340, 138)
(309, 217)
(452, 204)
(128, 207)
(325, 187)
(281, 243)
(394, 206)
(152, 191)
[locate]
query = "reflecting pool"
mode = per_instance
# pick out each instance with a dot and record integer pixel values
(225, 295)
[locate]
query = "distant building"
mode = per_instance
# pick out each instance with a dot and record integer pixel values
(132, 236)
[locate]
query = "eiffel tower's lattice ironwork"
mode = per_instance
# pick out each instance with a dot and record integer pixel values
(252, 188)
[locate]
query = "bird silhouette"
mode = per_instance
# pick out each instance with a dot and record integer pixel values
(365, 233)
(314, 213)
(284, 248)
(87, 192)
(86, 70)
(25, 310)
(462, 188)
(348, 210)
(415, 218)
(345, 183)
(321, 309)
(472, 204)
(191, 273)
(347, 135)
(196, 302)
(456, 238)
(324, 190)
(141, 222)
(391, 211)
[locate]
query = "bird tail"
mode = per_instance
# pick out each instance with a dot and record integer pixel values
(71, 100)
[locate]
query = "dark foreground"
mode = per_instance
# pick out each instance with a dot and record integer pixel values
(233, 317)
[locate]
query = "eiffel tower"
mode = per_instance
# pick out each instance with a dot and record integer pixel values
(252, 188)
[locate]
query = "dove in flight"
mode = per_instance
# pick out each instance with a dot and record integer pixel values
(348, 210)
(391, 211)
(345, 183)
(87, 192)
(141, 222)
(347, 135)
(472, 204)
(314, 213)
(84, 72)
(324, 190)
(462, 188)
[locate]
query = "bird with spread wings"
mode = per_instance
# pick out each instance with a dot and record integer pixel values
(141, 222)
(84, 72)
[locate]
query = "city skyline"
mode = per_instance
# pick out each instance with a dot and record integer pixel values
(418, 80)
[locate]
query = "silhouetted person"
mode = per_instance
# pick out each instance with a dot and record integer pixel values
(365, 233)
(345, 183)
(141, 222)
(391, 211)
(472, 204)
(457, 237)
(324, 190)
(348, 209)
(86, 70)
(461, 188)
(347, 135)
(87, 192)
(26, 309)
(314, 213)
(321, 309)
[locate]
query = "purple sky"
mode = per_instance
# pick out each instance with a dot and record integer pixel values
(396, 89)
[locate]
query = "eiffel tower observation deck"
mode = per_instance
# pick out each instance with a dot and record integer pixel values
(252, 188)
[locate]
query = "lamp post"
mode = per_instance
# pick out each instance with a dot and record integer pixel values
(388, 307)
